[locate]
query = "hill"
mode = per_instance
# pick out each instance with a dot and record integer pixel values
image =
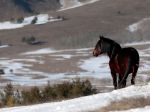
(18, 8)
(102, 102)
(82, 26)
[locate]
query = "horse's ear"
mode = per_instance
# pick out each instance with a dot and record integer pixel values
(101, 37)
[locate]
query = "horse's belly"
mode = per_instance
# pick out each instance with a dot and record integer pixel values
(114, 68)
(122, 69)
(118, 69)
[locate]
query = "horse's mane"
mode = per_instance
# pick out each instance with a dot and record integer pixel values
(109, 41)
(114, 46)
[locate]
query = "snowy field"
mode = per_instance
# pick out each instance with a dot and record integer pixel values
(43, 65)
(19, 70)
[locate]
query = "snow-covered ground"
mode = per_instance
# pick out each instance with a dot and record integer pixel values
(41, 19)
(21, 70)
(140, 25)
(96, 67)
(4, 46)
(137, 43)
(23, 74)
(70, 4)
(88, 103)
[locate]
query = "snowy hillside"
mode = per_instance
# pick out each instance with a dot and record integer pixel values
(89, 103)
(41, 19)
(140, 25)
(69, 4)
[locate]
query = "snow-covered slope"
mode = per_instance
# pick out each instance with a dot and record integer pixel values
(145, 22)
(44, 18)
(69, 4)
(88, 103)
(41, 19)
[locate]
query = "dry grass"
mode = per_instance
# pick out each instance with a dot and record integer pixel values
(126, 104)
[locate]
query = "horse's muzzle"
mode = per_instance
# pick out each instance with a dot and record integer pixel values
(95, 53)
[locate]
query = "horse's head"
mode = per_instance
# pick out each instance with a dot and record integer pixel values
(98, 47)
(106, 45)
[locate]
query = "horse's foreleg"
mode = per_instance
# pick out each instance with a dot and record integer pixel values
(114, 76)
(120, 79)
(124, 83)
(121, 82)
(135, 69)
(126, 68)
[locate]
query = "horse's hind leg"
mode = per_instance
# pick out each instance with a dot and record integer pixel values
(114, 76)
(120, 78)
(122, 81)
(135, 69)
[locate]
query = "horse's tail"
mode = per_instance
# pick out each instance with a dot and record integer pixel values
(126, 72)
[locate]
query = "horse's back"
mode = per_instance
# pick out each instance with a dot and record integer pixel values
(131, 53)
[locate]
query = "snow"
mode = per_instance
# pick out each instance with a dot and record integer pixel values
(4, 46)
(41, 19)
(138, 25)
(65, 56)
(133, 27)
(88, 103)
(70, 4)
(40, 51)
(137, 43)
(25, 75)
(9, 25)
(50, 50)
(89, 66)
(96, 66)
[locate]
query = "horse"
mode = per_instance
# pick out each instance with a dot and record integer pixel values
(122, 61)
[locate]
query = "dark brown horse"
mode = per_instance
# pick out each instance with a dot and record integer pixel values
(123, 61)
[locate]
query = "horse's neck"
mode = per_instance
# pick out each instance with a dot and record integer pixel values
(114, 52)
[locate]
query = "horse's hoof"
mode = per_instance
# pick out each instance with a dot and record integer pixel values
(115, 88)
(119, 87)
(132, 82)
